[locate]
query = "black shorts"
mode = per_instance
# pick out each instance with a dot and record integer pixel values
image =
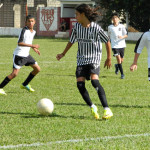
(118, 51)
(87, 70)
(19, 61)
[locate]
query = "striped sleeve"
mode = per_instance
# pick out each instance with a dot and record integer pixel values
(140, 44)
(104, 38)
(73, 35)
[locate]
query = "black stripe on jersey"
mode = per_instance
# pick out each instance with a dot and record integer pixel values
(22, 34)
(137, 44)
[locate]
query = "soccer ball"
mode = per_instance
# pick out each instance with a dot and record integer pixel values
(45, 106)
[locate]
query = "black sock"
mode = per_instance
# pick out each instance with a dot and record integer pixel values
(100, 91)
(4, 82)
(120, 68)
(84, 92)
(149, 74)
(29, 78)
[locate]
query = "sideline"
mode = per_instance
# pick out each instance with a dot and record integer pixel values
(74, 141)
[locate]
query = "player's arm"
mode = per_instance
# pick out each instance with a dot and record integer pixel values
(28, 45)
(134, 65)
(138, 49)
(108, 60)
(124, 33)
(59, 56)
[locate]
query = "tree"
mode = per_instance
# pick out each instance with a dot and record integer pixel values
(138, 12)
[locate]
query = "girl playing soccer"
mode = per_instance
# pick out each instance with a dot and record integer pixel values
(89, 36)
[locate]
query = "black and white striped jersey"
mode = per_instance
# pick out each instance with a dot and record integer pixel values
(26, 36)
(144, 41)
(89, 43)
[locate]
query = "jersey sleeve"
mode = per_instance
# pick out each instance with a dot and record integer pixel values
(73, 35)
(21, 36)
(140, 44)
(104, 38)
(109, 32)
(124, 31)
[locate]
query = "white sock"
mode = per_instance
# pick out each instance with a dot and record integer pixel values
(92, 105)
(106, 108)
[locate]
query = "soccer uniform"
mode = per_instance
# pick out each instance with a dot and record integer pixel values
(89, 48)
(21, 53)
(117, 44)
(144, 41)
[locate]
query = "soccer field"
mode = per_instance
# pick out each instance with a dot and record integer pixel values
(72, 127)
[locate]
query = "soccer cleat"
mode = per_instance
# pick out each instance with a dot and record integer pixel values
(2, 92)
(94, 112)
(107, 114)
(122, 76)
(116, 68)
(27, 87)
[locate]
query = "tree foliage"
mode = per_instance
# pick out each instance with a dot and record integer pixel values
(138, 12)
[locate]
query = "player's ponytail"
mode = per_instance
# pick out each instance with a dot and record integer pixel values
(90, 13)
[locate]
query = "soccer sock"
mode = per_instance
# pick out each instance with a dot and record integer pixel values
(120, 68)
(4, 82)
(84, 92)
(29, 78)
(100, 91)
(149, 74)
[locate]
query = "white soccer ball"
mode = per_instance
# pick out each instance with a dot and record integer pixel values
(45, 106)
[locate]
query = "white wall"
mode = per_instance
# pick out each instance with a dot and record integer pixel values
(132, 36)
(10, 31)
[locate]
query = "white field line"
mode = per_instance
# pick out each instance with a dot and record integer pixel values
(74, 141)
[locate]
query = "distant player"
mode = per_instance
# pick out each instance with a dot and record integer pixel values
(21, 56)
(117, 34)
(89, 36)
(144, 41)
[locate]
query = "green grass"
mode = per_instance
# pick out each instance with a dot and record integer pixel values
(20, 123)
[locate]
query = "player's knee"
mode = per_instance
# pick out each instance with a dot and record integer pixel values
(81, 85)
(95, 83)
(37, 69)
(13, 75)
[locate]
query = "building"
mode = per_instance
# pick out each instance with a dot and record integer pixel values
(48, 14)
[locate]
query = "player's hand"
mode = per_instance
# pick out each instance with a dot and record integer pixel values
(120, 37)
(37, 51)
(107, 63)
(35, 46)
(59, 56)
(133, 67)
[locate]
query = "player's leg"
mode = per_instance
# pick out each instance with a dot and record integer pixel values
(14, 73)
(36, 69)
(7, 80)
(120, 66)
(115, 53)
(102, 96)
(80, 75)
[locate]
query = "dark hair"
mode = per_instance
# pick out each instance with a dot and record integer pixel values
(90, 13)
(29, 17)
(115, 14)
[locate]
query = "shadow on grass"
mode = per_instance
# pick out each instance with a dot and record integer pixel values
(53, 115)
(116, 105)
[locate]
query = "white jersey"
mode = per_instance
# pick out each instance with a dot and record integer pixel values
(144, 41)
(114, 32)
(26, 36)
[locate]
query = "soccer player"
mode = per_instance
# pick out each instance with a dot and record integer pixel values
(22, 57)
(117, 34)
(89, 36)
(144, 41)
